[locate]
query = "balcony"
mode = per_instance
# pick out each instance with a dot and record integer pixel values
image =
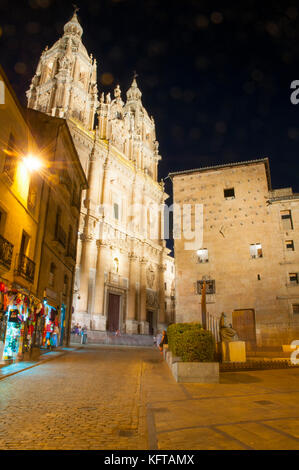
(25, 268)
(60, 236)
(6, 250)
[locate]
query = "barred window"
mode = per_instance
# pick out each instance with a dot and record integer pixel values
(293, 277)
(289, 244)
(210, 287)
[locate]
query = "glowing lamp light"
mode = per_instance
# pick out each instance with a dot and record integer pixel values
(32, 163)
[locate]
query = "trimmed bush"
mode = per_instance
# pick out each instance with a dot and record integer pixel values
(191, 342)
(175, 332)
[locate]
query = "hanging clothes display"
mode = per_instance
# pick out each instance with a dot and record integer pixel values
(51, 327)
(18, 319)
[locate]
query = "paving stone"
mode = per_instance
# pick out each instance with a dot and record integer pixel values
(126, 398)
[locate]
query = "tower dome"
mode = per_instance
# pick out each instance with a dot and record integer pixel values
(73, 26)
(134, 94)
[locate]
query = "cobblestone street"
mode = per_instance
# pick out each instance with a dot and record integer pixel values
(125, 398)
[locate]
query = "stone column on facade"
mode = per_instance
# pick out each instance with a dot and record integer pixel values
(88, 236)
(132, 320)
(87, 249)
(144, 326)
(103, 262)
(161, 316)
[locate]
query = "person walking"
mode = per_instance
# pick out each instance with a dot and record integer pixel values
(164, 340)
(84, 335)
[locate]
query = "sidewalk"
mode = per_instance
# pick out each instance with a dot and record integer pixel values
(118, 398)
(15, 368)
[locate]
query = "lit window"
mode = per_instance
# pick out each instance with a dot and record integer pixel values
(229, 193)
(287, 222)
(293, 278)
(256, 251)
(289, 244)
(203, 255)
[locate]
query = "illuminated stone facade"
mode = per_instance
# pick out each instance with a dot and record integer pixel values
(38, 216)
(120, 282)
(249, 254)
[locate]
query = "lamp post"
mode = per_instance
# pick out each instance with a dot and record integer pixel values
(204, 305)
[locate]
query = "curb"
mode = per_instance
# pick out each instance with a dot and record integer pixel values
(63, 353)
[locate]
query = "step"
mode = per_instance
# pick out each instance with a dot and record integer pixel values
(103, 337)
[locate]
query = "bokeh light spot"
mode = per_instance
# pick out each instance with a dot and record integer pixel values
(20, 68)
(107, 78)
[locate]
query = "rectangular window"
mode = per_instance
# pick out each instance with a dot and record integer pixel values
(210, 287)
(24, 244)
(289, 244)
(287, 222)
(229, 193)
(116, 211)
(256, 251)
(296, 309)
(10, 158)
(2, 221)
(293, 278)
(165, 285)
(203, 255)
(32, 194)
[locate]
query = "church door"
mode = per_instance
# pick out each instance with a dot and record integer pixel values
(113, 312)
(244, 324)
(150, 320)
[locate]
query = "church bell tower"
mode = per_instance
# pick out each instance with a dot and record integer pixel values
(65, 82)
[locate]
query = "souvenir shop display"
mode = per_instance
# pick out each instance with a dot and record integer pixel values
(18, 320)
(51, 328)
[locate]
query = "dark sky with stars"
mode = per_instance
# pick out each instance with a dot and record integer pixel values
(216, 76)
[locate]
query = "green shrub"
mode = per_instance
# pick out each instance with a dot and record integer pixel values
(175, 332)
(191, 342)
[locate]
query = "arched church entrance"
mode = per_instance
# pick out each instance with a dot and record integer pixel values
(113, 322)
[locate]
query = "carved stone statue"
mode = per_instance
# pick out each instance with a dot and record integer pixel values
(227, 333)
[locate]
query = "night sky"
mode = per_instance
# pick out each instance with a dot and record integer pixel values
(216, 76)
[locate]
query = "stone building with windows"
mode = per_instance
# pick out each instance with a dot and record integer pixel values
(121, 256)
(63, 183)
(37, 154)
(19, 223)
(249, 255)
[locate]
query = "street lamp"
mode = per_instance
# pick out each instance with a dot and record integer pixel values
(32, 163)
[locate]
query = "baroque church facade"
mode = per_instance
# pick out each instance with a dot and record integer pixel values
(124, 274)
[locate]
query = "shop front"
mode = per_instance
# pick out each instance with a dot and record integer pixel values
(51, 331)
(19, 315)
(28, 325)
